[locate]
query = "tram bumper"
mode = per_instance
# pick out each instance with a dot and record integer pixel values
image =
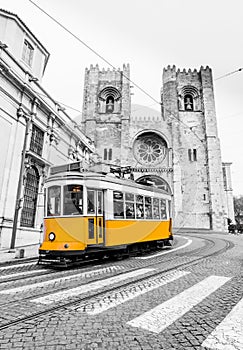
(60, 257)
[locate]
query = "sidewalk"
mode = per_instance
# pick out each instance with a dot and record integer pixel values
(19, 254)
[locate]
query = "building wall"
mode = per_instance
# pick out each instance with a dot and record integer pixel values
(107, 129)
(195, 178)
(24, 108)
(228, 191)
(199, 182)
(13, 33)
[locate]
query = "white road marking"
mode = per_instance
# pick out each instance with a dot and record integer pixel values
(113, 301)
(229, 333)
(18, 274)
(163, 315)
(60, 279)
(189, 241)
(58, 296)
(17, 265)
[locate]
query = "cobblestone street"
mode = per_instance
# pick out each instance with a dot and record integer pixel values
(166, 300)
(121, 193)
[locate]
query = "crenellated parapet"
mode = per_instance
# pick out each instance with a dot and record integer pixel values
(207, 77)
(107, 75)
(171, 73)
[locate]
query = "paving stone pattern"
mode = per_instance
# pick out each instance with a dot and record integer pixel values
(73, 328)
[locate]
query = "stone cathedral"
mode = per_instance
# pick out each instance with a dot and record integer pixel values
(176, 149)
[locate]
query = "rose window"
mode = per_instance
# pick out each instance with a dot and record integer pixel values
(149, 149)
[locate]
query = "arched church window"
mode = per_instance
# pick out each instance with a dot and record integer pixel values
(105, 153)
(188, 102)
(109, 100)
(110, 154)
(30, 198)
(109, 104)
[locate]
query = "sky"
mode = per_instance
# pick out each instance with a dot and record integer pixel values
(149, 35)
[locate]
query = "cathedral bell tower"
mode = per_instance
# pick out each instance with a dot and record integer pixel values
(189, 107)
(106, 110)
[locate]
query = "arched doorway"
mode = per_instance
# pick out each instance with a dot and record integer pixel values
(153, 180)
(30, 198)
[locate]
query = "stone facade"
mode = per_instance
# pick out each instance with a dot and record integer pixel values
(228, 191)
(108, 128)
(177, 148)
(189, 98)
(35, 133)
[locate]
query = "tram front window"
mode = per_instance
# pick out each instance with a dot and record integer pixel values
(73, 200)
(53, 201)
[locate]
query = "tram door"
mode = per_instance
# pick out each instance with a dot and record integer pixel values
(95, 204)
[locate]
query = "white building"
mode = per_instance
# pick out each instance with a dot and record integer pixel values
(35, 133)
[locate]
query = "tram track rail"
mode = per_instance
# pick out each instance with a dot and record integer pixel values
(18, 262)
(24, 277)
(41, 272)
(81, 300)
(55, 270)
(76, 270)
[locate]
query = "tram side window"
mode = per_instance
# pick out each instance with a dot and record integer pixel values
(100, 202)
(148, 208)
(129, 206)
(53, 201)
(73, 200)
(155, 208)
(139, 207)
(163, 214)
(91, 201)
(169, 207)
(118, 204)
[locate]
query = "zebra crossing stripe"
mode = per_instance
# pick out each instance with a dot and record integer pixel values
(163, 315)
(87, 274)
(147, 286)
(229, 333)
(58, 296)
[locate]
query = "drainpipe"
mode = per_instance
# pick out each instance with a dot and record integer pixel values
(20, 113)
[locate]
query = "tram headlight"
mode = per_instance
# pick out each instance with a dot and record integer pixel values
(51, 236)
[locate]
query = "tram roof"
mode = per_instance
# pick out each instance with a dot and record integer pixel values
(99, 172)
(108, 178)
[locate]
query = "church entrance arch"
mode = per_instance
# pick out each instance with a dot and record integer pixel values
(154, 180)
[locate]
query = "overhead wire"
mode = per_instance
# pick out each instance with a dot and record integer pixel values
(230, 73)
(137, 86)
(92, 50)
(110, 64)
(128, 78)
(61, 103)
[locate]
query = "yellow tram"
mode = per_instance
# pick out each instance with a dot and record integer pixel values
(96, 214)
